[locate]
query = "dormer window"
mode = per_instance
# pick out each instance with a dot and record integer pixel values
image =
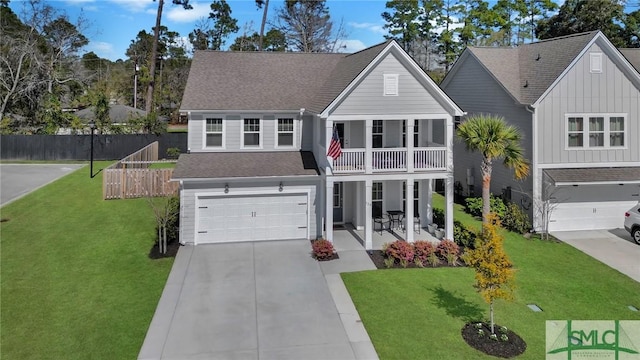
(596, 62)
(391, 84)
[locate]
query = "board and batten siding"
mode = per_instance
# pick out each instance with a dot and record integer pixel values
(190, 191)
(367, 97)
(583, 92)
(477, 92)
(232, 125)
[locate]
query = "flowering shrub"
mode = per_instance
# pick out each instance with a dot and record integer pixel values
(322, 249)
(400, 250)
(422, 251)
(448, 250)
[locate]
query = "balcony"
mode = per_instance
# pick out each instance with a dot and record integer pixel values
(390, 160)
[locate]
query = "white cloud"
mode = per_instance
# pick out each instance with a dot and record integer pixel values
(102, 49)
(74, 2)
(180, 15)
(135, 5)
(350, 46)
(375, 28)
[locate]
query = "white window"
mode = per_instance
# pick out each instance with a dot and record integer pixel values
(214, 133)
(595, 62)
(337, 195)
(251, 133)
(390, 84)
(416, 197)
(595, 131)
(376, 199)
(376, 132)
(285, 133)
(416, 133)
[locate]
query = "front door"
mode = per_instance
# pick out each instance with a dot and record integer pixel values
(338, 188)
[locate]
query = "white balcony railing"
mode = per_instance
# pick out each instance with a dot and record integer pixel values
(389, 160)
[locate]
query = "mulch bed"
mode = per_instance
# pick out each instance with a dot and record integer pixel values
(504, 349)
(332, 257)
(377, 256)
(172, 250)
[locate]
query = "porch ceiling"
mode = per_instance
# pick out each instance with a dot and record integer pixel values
(593, 176)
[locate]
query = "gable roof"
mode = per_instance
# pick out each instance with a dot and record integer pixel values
(633, 56)
(228, 80)
(527, 71)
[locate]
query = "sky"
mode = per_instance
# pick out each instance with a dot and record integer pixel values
(115, 23)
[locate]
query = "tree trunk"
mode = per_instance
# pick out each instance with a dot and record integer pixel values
(164, 239)
(160, 239)
(264, 21)
(491, 315)
(485, 169)
(154, 55)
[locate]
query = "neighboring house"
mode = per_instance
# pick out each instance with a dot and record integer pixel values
(576, 100)
(260, 124)
(118, 114)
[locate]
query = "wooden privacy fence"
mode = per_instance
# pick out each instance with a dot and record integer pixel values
(131, 177)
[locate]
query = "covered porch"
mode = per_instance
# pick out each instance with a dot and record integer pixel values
(386, 209)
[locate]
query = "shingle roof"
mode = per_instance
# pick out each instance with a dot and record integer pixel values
(245, 164)
(287, 81)
(528, 70)
(633, 56)
(117, 113)
(595, 175)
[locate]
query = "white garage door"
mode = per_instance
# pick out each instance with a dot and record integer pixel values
(592, 207)
(250, 218)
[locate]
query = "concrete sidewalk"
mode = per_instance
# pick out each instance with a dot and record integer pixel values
(612, 247)
(266, 300)
(18, 180)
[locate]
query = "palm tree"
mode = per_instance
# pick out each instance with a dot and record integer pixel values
(494, 139)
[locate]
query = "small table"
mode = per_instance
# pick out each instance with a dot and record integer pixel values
(395, 217)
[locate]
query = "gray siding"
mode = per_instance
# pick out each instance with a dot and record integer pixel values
(580, 91)
(367, 97)
(233, 131)
(190, 191)
(477, 92)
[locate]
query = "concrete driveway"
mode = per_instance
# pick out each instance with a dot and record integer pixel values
(17, 180)
(262, 300)
(612, 247)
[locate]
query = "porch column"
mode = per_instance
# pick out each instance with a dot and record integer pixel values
(328, 210)
(368, 145)
(448, 229)
(428, 194)
(410, 145)
(368, 216)
(327, 142)
(409, 211)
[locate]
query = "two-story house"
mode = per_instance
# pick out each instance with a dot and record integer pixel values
(576, 100)
(260, 125)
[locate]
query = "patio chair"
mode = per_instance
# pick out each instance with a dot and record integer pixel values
(416, 223)
(382, 220)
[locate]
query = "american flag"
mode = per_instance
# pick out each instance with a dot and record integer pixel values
(335, 150)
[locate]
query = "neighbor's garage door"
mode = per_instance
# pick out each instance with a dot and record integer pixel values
(249, 218)
(592, 207)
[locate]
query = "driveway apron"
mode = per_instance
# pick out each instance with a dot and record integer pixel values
(262, 300)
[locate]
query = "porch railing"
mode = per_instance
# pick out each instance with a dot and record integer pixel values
(395, 159)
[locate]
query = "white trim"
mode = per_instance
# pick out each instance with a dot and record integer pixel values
(405, 59)
(260, 136)
(386, 177)
(248, 193)
(204, 135)
(572, 183)
(391, 86)
(585, 131)
(588, 165)
(361, 117)
(293, 133)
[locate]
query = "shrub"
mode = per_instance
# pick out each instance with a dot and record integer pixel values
(448, 250)
(433, 259)
(418, 263)
(322, 249)
(463, 236)
(422, 250)
(173, 152)
(400, 250)
(515, 219)
(388, 262)
(474, 206)
(438, 217)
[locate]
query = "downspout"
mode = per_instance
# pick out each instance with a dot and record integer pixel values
(536, 185)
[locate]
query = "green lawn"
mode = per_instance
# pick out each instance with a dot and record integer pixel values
(77, 282)
(418, 313)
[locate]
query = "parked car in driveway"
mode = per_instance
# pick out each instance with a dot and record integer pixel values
(632, 222)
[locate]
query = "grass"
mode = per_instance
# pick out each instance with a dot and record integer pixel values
(418, 313)
(163, 165)
(77, 282)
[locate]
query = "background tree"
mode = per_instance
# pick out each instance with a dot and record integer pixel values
(307, 26)
(493, 139)
(494, 272)
(154, 50)
(262, 4)
(223, 23)
(402, 23)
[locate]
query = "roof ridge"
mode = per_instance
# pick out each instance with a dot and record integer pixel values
(592, 32)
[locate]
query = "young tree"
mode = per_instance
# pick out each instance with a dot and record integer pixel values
(495, 274)
(165, 210)
(493, 139)
(307, 26)
(154, 50)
